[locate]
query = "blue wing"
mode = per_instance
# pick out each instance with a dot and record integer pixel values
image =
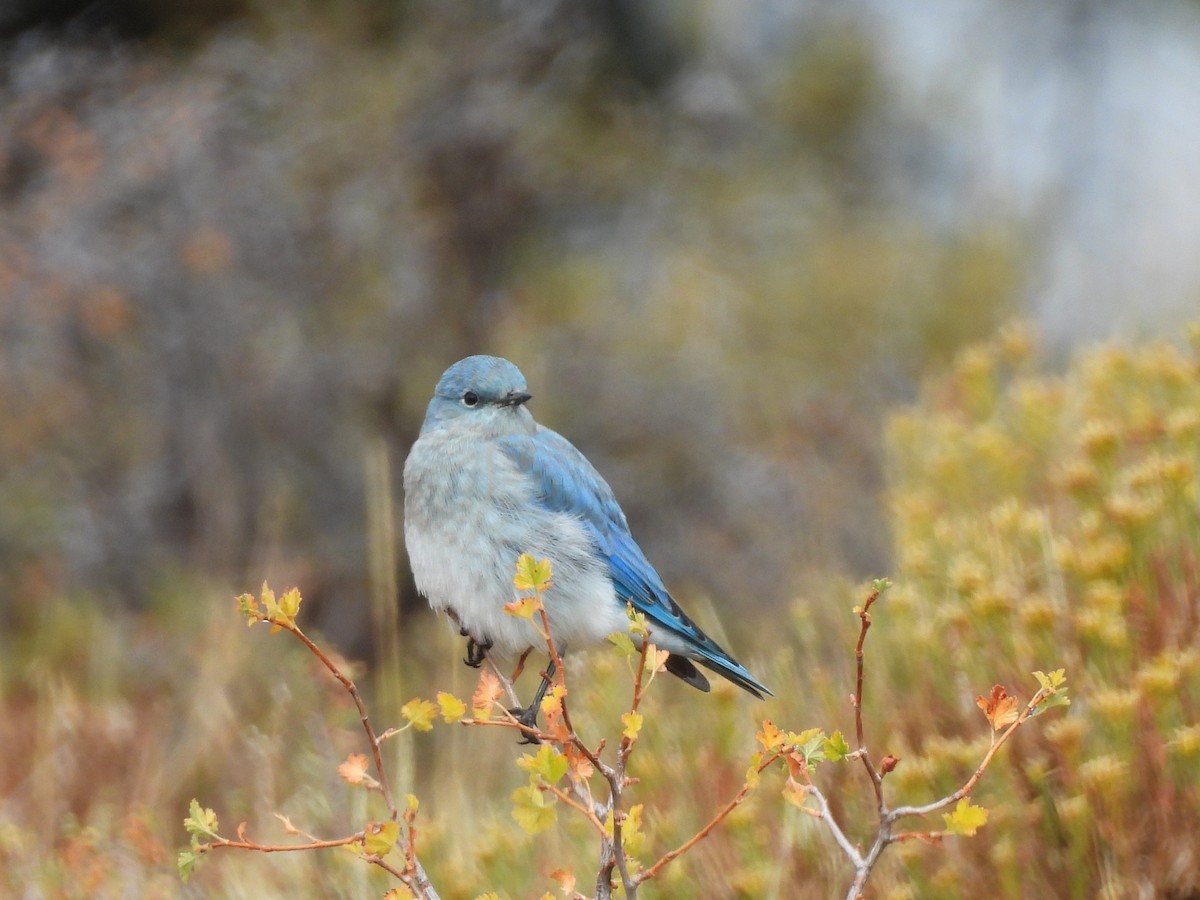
(567, 482)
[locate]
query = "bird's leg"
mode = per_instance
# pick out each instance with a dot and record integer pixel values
(527, 715)
(476, 652)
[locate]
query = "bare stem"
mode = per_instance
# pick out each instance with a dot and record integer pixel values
(384, 788)
(222, 844)
(864, 616)
(647, 874)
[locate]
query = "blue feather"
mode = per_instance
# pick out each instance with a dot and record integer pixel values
(566, 482)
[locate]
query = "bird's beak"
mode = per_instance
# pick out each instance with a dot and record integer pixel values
(515, 398)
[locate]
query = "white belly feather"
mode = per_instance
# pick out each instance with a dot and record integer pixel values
(468, 515)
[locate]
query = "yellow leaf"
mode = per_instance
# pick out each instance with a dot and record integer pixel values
(966, 818)
(452, 708)
(523, 608)
(487, 692)
(411, 801)
(771, 737)
(420, 713)
(270, 607)
(552, 702)
(637, 621)
(532, 810)
(532, 575)
(289, 605)
(380, 837)
(1000, 708)
(631, 831)
(633, 724)
(354, 768)
(752, 774)
(795, 793)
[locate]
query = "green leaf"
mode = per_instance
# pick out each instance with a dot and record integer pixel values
(533, 810)
(966, 818)
(380, 837)
(881, 584)
(623, 643)
(248, 607)
(532, 575)
(835, 747)
(1053, 681)
(813, 749)
(637, 621)
(549, 764)
(420, 713)
(187, 864)
(201, 821)
(1058, 698)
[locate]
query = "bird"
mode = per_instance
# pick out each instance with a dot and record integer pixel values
(483, 484)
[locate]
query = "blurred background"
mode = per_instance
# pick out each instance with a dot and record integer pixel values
(240, 240)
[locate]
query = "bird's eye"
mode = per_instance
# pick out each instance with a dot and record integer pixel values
(470, 398)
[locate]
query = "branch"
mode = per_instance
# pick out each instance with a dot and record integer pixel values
(384, 788)
(997, 742)
(876, 779)
(222, 844)
(647, 874)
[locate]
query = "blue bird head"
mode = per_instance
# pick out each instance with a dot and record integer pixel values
(486, 391)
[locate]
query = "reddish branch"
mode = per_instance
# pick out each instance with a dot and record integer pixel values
(716, 820)
(864, 615)
(384, 788)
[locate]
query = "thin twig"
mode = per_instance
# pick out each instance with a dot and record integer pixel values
(826, 816)
(864, 616)
(384, 788)
(222, 844)
(997, 742)
(647, 874)
(574, 804)
(618, 781)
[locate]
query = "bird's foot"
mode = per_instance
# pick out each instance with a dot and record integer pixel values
(527, 716)
(476, 652)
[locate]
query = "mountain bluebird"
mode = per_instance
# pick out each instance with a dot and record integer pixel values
(485, 483)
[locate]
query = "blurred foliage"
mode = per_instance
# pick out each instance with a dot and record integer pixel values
(228, 266)
(1055, 521)
(1041, 521)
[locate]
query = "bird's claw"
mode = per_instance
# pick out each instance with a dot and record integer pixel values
(476, 652)
(527, 716)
